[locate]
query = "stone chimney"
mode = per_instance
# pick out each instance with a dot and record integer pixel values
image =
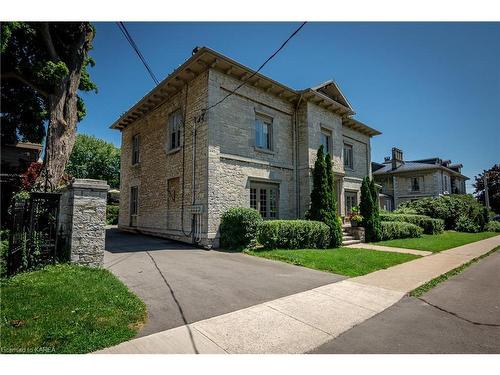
(397, 157)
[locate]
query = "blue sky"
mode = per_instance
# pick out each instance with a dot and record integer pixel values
(432, 89)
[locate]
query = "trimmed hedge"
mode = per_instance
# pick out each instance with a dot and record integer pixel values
(398, 229)
(294, 234)
(459, 212)
(239, 227)
(428, 224)
(493, 226)
(112, 212)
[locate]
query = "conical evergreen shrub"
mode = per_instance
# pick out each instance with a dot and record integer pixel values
(323, 202)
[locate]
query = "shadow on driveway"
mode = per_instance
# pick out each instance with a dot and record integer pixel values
(181, 284)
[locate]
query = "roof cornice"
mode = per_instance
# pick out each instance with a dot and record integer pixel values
(205, 59)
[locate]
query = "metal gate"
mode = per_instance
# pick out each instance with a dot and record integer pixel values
(33, 235)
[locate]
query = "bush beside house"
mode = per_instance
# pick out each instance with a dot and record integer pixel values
(391, 230)
(429, 225)
(323, 201)
(459, 212)
(239, 227)
(112, 212)
(294, 234)
(493, 226)
(369, 210)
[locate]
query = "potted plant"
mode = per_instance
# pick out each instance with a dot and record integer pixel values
(354, 217)
(356, 220)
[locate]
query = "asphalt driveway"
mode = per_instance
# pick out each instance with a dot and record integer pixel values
(181, 284)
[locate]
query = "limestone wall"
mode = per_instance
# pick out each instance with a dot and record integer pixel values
(162, 182)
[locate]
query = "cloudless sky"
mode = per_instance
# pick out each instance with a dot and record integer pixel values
(432, 89)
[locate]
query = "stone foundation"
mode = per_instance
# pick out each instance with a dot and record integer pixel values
(357, 232)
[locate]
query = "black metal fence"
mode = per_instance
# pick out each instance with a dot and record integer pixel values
(33, 235)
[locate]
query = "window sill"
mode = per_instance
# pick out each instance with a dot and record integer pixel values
(136, 165)
(173, 150)
(264, 150)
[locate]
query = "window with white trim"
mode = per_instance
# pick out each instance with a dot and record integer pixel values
(348, 156)
(264, 133)
(325, 139)
(174, 130)
(264, 197)
(351, 200)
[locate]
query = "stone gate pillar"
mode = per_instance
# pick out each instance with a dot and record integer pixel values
(82, 222)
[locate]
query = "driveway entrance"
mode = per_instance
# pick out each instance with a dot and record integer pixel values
(181, 284)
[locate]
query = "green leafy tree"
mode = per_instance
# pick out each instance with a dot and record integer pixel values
(95, 158)
(44, 65)
(493, 176)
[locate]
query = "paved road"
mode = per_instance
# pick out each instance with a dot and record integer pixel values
(181, 284)
(461, 315)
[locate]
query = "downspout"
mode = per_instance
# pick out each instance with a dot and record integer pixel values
(296, 158)
(187, 234)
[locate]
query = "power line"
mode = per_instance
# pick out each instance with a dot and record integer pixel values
(134, 46)
(258, 70)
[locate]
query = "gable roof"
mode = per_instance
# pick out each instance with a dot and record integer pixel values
(332, 90)
(204, 58)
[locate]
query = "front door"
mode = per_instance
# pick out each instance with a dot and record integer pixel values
(351, 200)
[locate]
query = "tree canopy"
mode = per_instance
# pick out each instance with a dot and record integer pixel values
(44, 65)
(95, 158)
(493, 175)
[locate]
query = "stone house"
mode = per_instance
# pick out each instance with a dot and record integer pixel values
(192, 148)
(402, 180)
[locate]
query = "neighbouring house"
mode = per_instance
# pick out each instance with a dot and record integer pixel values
(192, 148)
(413, 179)
(16, 158)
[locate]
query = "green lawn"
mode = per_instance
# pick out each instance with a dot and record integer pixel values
(437, 242)
(67, 309)
(343, 261)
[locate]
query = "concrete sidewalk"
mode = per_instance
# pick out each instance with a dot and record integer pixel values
(301, 322)
(368, 246)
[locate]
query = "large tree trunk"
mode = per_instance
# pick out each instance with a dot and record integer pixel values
(63, 118)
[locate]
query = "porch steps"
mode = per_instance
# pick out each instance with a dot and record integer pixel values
(347, 239)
